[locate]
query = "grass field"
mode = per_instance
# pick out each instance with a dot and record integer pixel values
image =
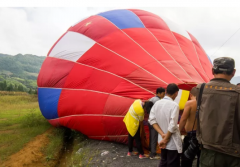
(20, 121)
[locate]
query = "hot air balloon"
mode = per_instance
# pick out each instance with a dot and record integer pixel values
(100, 65)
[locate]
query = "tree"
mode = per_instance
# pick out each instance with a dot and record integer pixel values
(30, 91)
(10, 87)
(20, 88)
(4, 85)
(35, 92)
(15, 87)
(1, 85)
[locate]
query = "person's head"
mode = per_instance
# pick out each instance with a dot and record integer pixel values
(223, 67)
(193, 93)
(172, 90)
(238, 85)
(147, 106)
(160, 92)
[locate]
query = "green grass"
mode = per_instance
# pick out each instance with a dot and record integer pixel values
(55, 144)
(20, 121)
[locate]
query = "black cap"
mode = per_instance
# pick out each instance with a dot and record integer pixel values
(224, 64)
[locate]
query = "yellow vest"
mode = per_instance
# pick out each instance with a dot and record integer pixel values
(133, 116)
(182, 98)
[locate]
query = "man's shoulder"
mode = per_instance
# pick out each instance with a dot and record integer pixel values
(199, 85)
(160, 102)
(191, 102)
(173, 103)
(153, 98)
(218, 84)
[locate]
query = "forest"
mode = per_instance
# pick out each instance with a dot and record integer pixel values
(19, 72)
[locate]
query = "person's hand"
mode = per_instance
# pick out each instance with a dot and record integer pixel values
(163, 136)
(183, 133)
(163, 143)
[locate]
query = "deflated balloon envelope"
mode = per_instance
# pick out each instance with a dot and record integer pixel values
(95, 70)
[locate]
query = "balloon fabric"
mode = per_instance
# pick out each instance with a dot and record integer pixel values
(100, 65)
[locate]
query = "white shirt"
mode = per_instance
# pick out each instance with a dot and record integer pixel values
(165, 113)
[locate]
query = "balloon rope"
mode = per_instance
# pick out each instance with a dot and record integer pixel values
(225, 42)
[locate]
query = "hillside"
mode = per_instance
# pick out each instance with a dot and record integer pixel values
(20, 70)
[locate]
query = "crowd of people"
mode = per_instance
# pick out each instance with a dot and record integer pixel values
(210, 123)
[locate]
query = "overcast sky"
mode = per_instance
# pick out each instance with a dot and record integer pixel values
(35, 30)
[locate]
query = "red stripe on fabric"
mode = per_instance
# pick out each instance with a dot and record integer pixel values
(164, 74)
(94, 27)
(90, 126)
(96, 127)
(150, 20)
(172, 47)
(177, 70)
(123, 45)
(54, 72)
(80, 102)
(83, 77)
(146, 80)
(163, 36)
(187, 86)
(147, 41)
(93, 115)
(116, 106)
(115, 126)
(104, 59)
(55, 44)
(127, 48)
(207, 66)
(189, 51)
(54, 122)
(126, 90)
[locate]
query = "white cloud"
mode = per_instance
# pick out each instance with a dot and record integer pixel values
(35, 30)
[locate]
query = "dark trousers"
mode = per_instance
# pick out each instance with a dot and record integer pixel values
(185, 161)
(169, 158)
(137, 140)
(153, 137)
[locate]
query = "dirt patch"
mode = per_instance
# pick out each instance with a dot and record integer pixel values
(3, 119)
(31, 154)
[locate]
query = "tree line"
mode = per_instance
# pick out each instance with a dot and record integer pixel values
(15, 88)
